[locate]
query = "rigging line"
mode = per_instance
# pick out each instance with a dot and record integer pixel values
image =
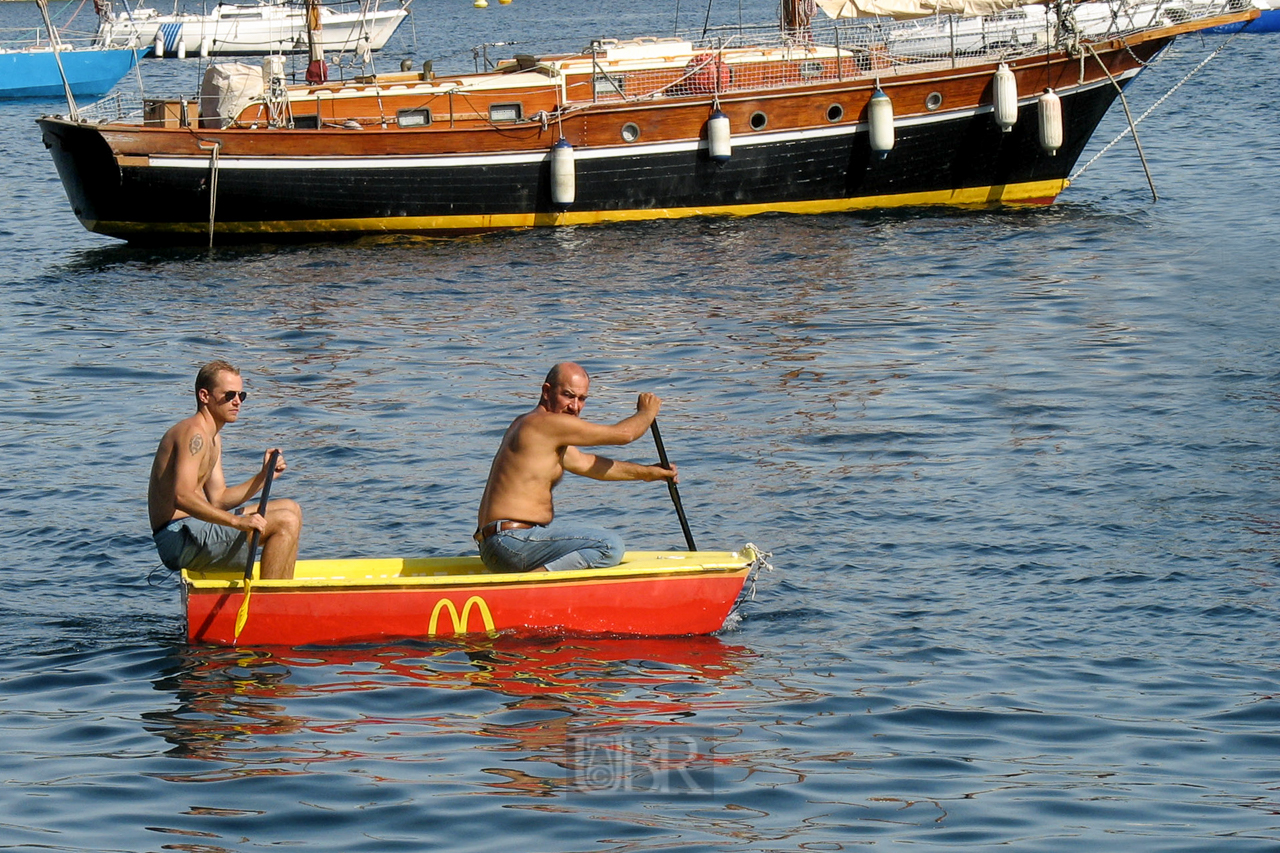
(1154, 106)
(213, 186)
(1124, 102)
(73, 15)
(73, 112)
(137, 71)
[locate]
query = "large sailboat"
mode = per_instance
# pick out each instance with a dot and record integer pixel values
(814, 115)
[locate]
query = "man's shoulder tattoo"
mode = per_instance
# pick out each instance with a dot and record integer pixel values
(197, 443)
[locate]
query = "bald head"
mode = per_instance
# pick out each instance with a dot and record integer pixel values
(565, 388)
(563, 370)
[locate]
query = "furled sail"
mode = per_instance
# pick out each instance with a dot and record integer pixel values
(904, 9)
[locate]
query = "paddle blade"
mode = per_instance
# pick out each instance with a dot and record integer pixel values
(243, 616)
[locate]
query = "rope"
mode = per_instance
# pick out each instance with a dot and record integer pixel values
(1124, 102)
(1154, 106)
(213, 187)
(759, 561)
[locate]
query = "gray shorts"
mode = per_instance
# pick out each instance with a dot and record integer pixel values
(189, 543)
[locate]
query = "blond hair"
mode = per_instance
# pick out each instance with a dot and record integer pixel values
(208, 374)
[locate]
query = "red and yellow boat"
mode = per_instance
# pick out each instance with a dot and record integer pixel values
(651, 593)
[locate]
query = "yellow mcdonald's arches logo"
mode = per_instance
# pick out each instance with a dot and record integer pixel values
(460, 620)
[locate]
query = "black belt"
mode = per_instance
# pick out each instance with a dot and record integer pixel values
(484, 532)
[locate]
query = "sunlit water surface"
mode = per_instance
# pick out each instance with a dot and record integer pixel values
(1017, 471)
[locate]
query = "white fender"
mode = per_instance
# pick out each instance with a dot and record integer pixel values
(719, 138)
(157, 45)
(563, 179)
(880, 118)
(1051, 135)
(1005, 97)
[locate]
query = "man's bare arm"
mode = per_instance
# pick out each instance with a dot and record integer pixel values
(570, 430)
(233, 496)
(196, 500)
(598, 467)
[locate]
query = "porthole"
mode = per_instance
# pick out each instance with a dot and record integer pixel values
(758, 121)
(933, 101)
(630, 132)
(835, 112)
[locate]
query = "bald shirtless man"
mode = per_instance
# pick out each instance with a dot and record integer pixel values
(190, 503)
(515, 532)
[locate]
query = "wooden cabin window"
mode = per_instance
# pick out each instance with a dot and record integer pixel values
(311, 122)
(414, 118)
(506, 112)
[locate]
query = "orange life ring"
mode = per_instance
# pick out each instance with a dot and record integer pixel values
(707, 73)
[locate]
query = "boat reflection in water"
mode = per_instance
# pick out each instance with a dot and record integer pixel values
(556, 713)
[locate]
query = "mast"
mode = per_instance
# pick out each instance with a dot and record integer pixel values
(317, 69)
(795, 16)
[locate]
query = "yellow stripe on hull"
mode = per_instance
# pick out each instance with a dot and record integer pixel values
(1036, 192)
(444, 571)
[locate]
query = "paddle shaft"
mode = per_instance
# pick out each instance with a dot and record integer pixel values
(262, 511)
(671, 486)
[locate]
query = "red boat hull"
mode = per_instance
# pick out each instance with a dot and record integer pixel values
(642, 597)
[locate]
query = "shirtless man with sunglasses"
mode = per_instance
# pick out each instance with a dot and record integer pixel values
(197, 520)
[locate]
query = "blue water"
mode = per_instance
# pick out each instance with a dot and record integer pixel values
(1017, 471)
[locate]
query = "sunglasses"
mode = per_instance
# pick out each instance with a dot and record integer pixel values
(231, 395)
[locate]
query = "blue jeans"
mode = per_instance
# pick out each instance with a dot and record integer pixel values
(559, 547)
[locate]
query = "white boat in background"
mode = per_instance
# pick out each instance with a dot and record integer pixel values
(257, 28)
(1008, 25)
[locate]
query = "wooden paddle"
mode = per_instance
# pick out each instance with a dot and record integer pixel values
(671, 486)
(243, 615)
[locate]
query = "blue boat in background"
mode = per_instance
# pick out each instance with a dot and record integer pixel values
(1267, 22)
(32, 72)
(53, 67)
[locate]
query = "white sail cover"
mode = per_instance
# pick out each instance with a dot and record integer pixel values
(904, 9)
(227, 89)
